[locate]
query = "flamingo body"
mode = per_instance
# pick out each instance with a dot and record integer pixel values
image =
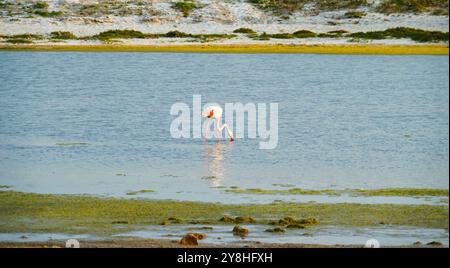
(215, 112)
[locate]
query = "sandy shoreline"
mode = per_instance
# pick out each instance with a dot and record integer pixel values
(86, 19)
(366, 49)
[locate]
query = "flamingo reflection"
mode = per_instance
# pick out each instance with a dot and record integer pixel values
(213, 162)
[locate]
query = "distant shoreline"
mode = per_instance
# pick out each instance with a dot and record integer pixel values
(353, 49)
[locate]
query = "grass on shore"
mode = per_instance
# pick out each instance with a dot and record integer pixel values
(111, 35)
(27, 212)
(418, 35)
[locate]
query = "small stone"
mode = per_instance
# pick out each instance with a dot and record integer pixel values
(244, 219)
(296, 226)
(275, 230)
(119, 222)
(174, 220)
(434, 243)
(189, 240)
(287, 221)
(240, 231)
(198, 236)
(226, 219)
(309, 221)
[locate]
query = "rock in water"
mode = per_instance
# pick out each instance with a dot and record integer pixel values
(199, 236)
(189, 240)
(240, 231)
(275, 230)
(243, 219)
(434, 243)
(226, 219)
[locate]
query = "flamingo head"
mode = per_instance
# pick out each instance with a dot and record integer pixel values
(208, 114)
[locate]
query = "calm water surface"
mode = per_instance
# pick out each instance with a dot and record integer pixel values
(98, 123)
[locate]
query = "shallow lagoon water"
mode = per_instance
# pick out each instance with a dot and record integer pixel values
(221, 234)
(323, 235)
(98, 123)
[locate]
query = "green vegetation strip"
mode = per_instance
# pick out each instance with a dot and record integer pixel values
(405, 192)
(418, 35)
(27, 212)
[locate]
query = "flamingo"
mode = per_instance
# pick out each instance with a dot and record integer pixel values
(215, 112)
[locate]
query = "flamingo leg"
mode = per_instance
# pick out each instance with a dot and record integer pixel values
(205, 135)
(220, 128)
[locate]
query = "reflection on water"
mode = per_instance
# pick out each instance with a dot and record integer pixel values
(213, 158)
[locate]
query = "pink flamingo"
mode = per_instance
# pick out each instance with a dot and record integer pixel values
(215, 112)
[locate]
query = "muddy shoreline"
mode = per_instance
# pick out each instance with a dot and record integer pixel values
(157, 243)
(28, 218)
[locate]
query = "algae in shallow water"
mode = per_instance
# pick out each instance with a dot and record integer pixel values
(71, 144)
(141, 192)
(27, 212)
(406, 192)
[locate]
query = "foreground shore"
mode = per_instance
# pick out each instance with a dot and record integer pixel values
(104, 221)
(155, 243)
(366, 49)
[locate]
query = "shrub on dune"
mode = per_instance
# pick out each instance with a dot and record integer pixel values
(62, 35)
(244, 30)
(304, 34)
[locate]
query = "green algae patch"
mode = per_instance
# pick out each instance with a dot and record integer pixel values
(71, 144)
(172, 220)
(226, 219)
(404, 192)
(292, 191)
(292, 223)
(237, 220)
(143, 191)
(27, 212)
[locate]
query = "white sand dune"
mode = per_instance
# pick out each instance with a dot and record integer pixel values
(215, 16)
